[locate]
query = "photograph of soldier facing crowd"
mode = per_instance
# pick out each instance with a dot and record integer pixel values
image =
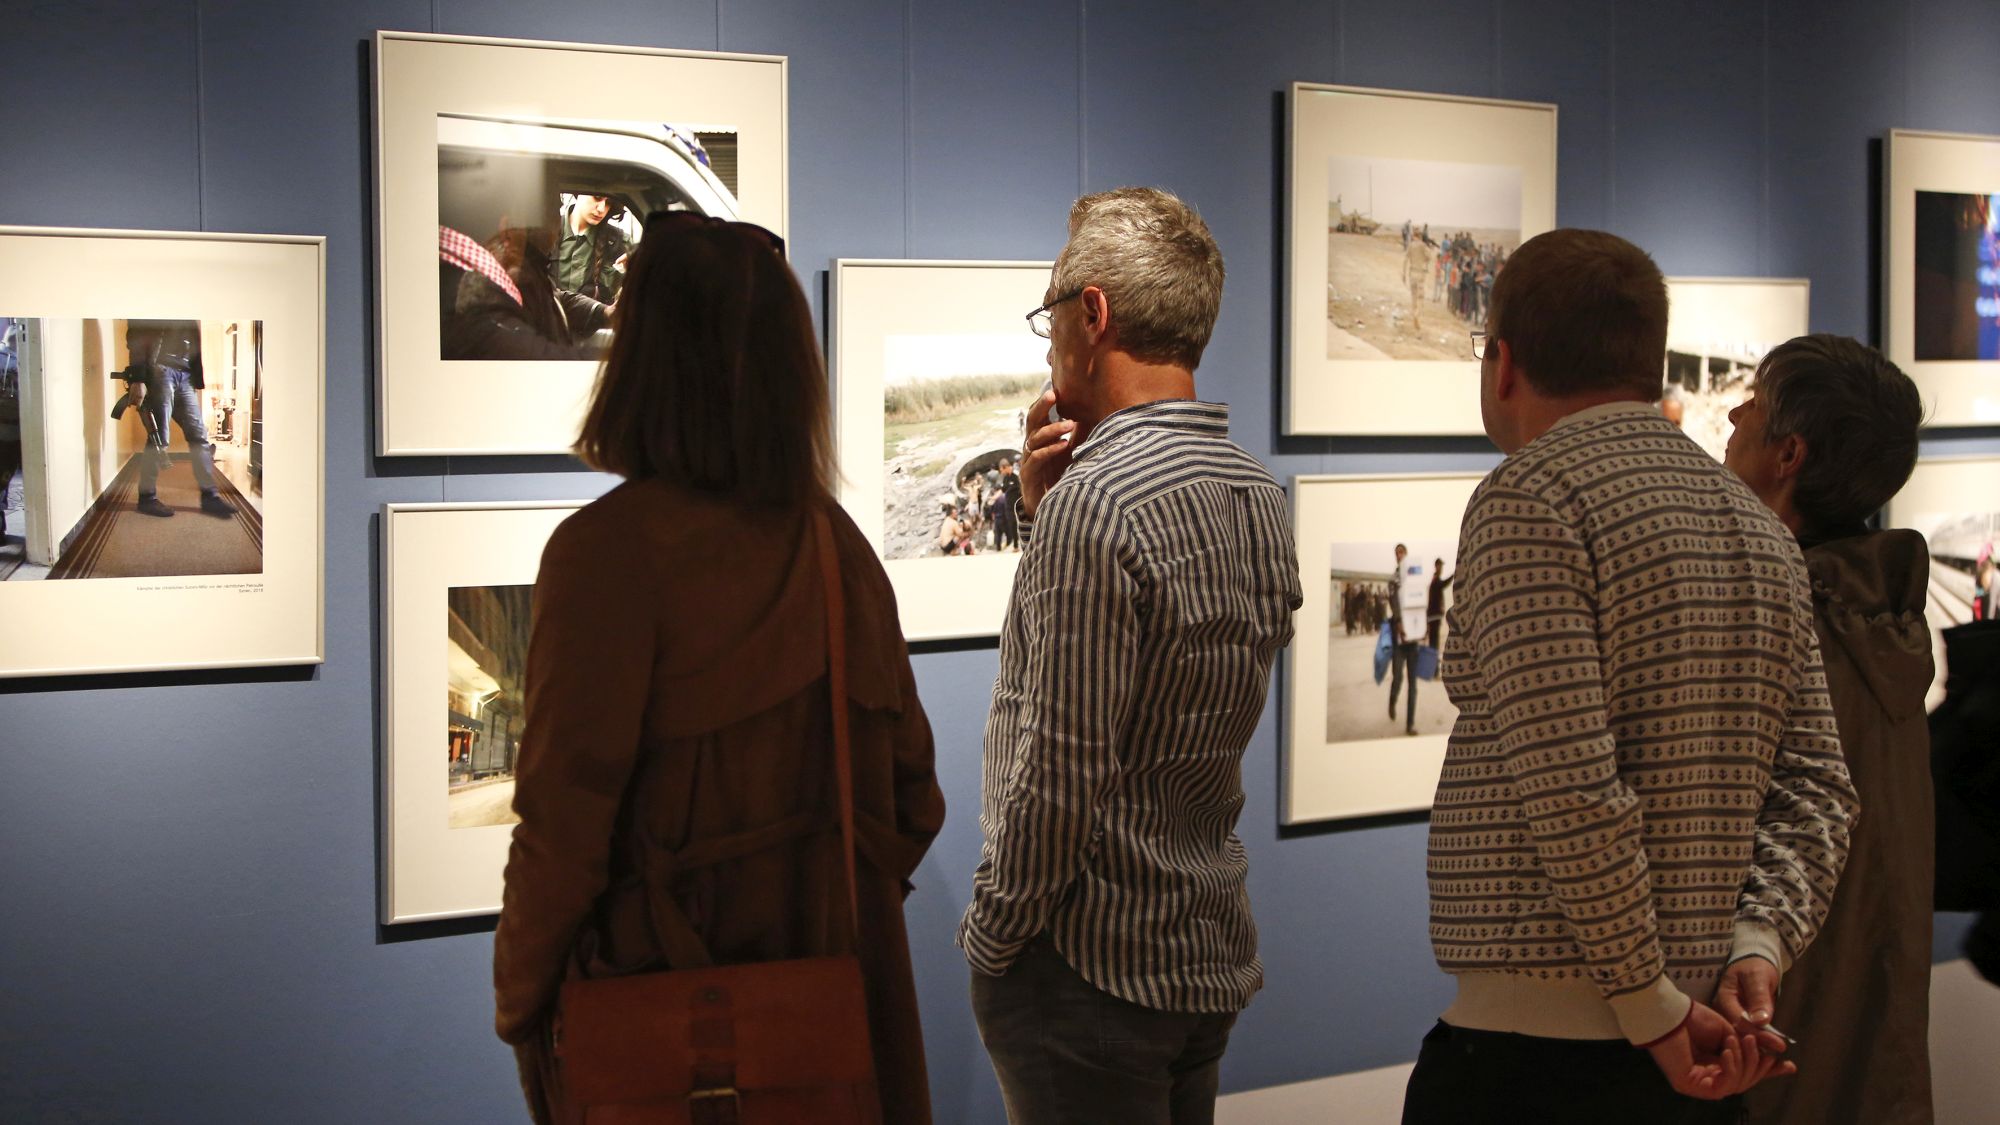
(1413, 248)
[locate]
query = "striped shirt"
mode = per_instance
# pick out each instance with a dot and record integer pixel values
(1156, 589)
(1645, 780)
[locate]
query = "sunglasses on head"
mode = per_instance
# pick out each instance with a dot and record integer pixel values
(691, 220)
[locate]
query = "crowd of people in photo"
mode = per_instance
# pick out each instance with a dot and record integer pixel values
(1364, 606)
(982, 510)
(1462, 270)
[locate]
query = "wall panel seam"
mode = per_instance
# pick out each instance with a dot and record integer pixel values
(1764, 139)
(200, 137)
(1339, 41)
(1611, 120)
(909, 118)
(1082, 98)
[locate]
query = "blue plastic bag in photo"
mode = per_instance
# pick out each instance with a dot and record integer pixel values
(1385, 646)
(1427, 663)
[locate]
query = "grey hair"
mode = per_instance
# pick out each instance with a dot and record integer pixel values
(1858, 415)
(1157, 264)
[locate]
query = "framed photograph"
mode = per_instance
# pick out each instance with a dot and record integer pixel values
(161, 444)
(1955, 503)
(458, 585)
(1718, 330)
(1367, 719)
(1941, 260)
(512, 177)
(934, 369)
(1401, 210)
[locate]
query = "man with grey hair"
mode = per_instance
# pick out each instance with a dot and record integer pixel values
(1110, 934)
(1827, 436)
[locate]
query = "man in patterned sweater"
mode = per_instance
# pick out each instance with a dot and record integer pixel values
(1644, 795)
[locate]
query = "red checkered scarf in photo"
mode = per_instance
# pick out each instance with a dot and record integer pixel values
(461, 251)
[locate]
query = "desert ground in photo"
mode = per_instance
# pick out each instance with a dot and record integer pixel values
(1368, 313)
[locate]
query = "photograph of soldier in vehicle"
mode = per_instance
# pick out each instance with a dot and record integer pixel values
(536, 217)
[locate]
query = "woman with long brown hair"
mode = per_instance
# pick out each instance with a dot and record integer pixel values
(677, 764)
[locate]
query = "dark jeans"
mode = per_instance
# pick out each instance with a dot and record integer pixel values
(169, 396)
(1404, 658)
(1468, 1077)
(1069, 1053)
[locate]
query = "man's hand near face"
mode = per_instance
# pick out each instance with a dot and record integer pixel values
(1048, 453)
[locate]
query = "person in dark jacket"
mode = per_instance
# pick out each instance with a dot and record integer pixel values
(163, 381)
(1965, 766)
(1434, 606)
(677, 765)
(1827, 436)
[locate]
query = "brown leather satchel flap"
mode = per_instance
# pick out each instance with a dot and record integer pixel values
(769, 1027)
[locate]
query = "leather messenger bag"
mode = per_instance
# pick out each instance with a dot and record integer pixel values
(754, 1044)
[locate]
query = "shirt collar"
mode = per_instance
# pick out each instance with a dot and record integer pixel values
(1608, 410)
(1185, 415)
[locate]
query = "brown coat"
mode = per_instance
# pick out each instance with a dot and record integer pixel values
(1858, 999)
(676, 693)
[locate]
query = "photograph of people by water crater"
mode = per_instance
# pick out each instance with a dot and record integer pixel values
(954, 409)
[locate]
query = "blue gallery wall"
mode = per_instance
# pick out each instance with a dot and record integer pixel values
(187, 863)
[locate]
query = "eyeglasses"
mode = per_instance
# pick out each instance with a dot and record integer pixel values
(1042, 319)
(668, 220)
(1480, 342)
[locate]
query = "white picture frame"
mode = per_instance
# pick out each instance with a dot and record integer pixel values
(1957, 391)
(1718, 330)
(1375, 772)
(488, 105)
(1484, 151)
(182, 593)
(892, 320)
(1951, 501)
(429, 869)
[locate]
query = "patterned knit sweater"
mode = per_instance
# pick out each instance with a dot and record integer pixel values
(1645, 781)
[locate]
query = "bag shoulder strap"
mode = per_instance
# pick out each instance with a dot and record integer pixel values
(836, 672)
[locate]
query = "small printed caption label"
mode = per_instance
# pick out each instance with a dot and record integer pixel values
(239, 587)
